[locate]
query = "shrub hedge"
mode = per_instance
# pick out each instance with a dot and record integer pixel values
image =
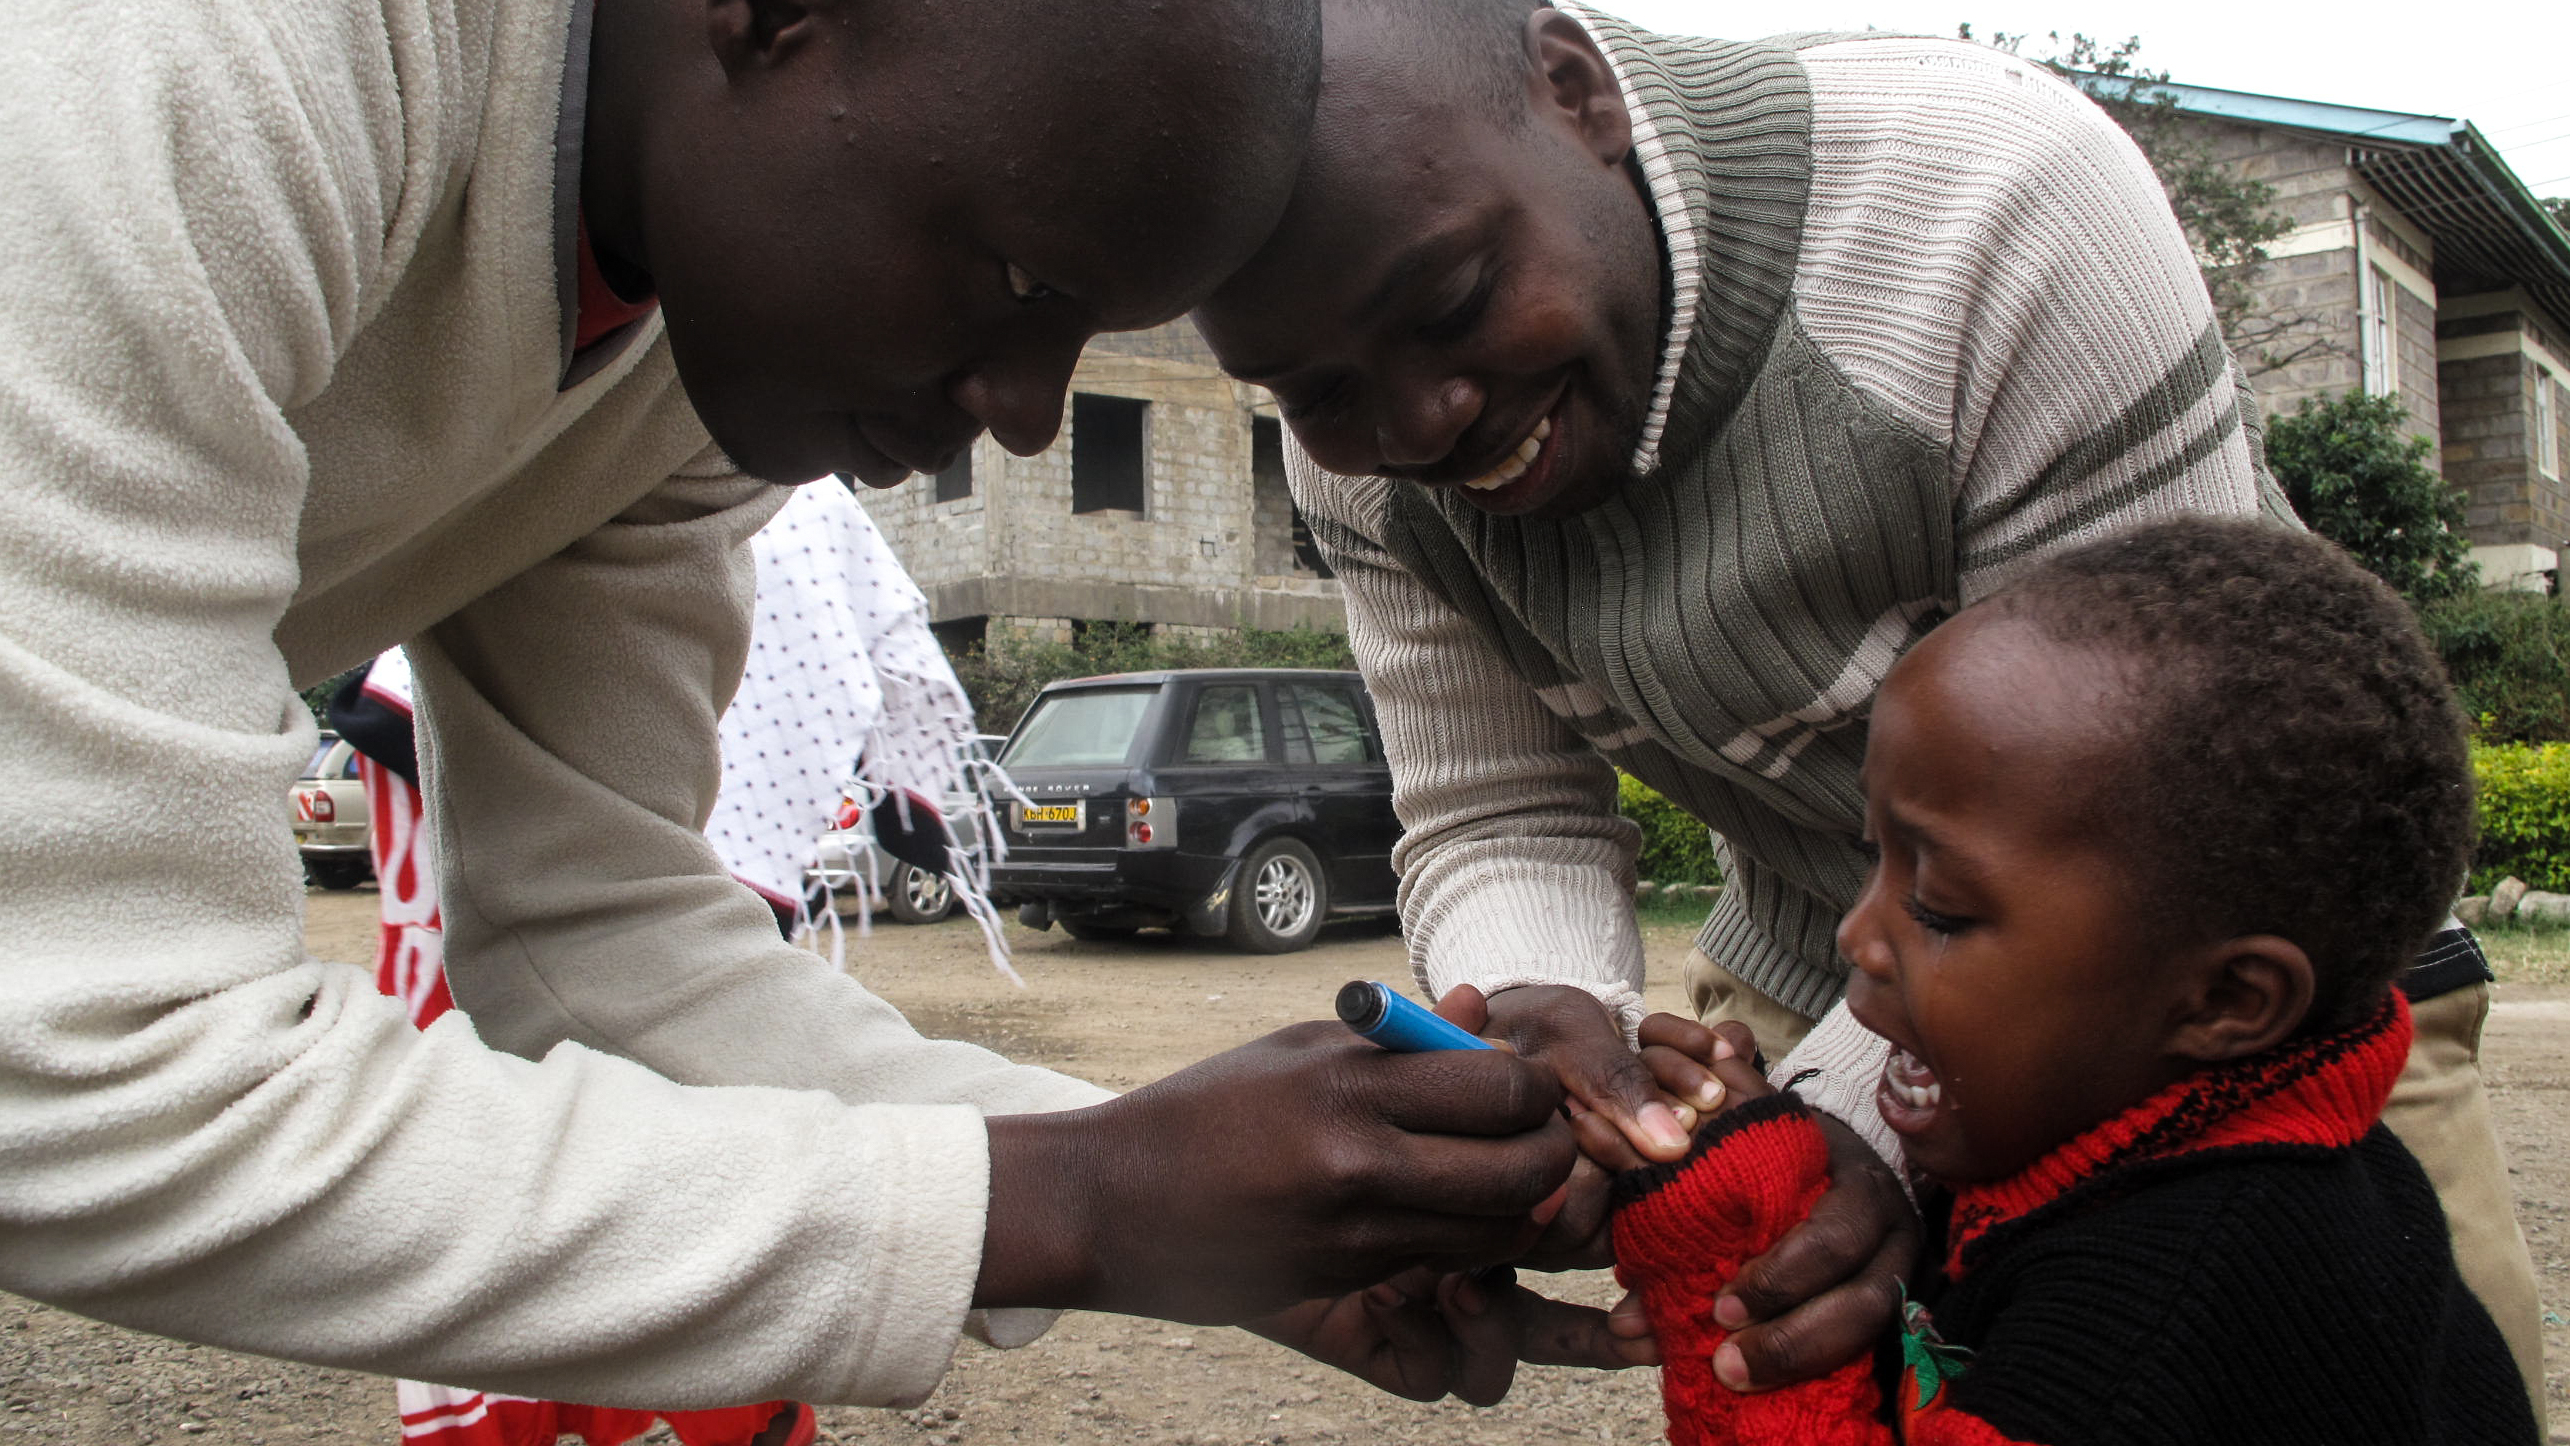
(1676, 849)
(2525, 822)
(2509, 656)
(2525, 815)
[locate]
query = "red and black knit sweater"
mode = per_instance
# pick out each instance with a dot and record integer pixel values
(2247, 1257)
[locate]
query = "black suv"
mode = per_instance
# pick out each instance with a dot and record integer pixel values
(1252, 803)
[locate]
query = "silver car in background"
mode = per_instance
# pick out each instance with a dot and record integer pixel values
(852, 867)
(328, 806)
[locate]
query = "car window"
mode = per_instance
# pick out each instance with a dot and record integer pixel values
(1324, 723)
(320, 756)
(1085, 727)
(349, 769)
(1226, 727)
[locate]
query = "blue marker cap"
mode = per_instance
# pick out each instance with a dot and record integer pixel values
(1396, 1022)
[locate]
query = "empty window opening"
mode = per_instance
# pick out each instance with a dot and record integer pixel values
(1307, 553)
(1284, 540)
(1106, 454)
(955, 483)
(961, 635)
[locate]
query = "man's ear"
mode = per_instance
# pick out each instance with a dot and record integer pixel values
(2244, 996)
(1571, 80)
(756, 34)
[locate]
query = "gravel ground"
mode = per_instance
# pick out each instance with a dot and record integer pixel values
(1119, 1014)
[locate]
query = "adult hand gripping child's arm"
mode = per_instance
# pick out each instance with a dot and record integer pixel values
(1683, 1229)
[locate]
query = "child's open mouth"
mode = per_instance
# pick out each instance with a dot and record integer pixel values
(1909, 1095)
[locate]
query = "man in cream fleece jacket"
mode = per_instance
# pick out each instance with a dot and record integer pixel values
(336, 326)
(1652, 395)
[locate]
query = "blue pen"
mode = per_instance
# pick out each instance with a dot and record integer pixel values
(1392, 1020)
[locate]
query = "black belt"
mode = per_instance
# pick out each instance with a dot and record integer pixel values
(2452, 960)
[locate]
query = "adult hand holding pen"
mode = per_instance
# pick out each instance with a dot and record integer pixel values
(1305, 1164)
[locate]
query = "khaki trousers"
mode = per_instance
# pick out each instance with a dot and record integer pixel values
(2439, 1109)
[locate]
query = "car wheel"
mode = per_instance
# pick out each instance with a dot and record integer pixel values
(1095, 933)
(337, 873)
(1280, 899)
(918, 896)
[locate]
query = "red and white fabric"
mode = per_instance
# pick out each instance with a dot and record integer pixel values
(410, 954)
(410, 965)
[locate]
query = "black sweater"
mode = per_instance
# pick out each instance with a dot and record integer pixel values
(2247, 1259)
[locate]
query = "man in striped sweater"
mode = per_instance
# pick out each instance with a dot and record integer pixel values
(1652, 396)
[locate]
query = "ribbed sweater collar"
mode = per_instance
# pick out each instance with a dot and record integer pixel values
(1722, 142)
(2317, 1094)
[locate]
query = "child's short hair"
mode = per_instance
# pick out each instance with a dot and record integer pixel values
(2297, 764)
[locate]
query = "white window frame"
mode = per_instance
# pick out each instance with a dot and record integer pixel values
(2380, 334)
(2547, 424)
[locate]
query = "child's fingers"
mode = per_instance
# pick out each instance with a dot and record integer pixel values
(1628, 1319)
(1740, 1080)
(1685, 1079)
(1600, 1140)
(1556, 1333)
(1686, 1036)
(1736, 1064)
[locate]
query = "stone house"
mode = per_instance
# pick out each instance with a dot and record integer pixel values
(1162, 502)
(2419, 267)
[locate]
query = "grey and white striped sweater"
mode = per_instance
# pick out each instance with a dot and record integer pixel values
(1930, 318)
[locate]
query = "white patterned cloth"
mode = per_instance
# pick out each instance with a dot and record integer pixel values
(846, 694)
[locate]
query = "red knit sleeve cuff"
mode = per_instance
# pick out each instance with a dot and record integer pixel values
(1752, 1174)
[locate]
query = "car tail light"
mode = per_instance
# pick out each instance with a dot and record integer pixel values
(323, 808)
(1150, 823)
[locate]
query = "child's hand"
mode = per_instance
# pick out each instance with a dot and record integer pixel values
(1426, 1336)
(1701, 1071)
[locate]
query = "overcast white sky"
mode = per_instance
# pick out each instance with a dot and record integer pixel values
(2504, 65)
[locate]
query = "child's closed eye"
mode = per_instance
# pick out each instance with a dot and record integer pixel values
(1932, 921)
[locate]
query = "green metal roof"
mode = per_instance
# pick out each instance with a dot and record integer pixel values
(2443, 175)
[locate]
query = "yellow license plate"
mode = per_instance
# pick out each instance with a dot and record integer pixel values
(1052, 813)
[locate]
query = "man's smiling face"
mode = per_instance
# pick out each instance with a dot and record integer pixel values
(1458, 296)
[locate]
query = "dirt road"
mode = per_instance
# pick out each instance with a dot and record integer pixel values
(1119, 1014)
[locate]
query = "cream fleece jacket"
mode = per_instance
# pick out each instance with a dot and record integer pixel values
(278, 389)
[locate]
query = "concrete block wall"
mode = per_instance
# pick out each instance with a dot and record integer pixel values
(2497, 350)
(1015, 552)
(2414, 339)
(2312, 274)
(1272, 528)
(2487, 401)
(2321, 284)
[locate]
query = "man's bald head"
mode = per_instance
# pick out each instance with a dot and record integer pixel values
(878, 227)
(1470, 51)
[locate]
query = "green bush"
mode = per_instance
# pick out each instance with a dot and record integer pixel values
(1676, 848)
(2525, 815)
(2509, 656)
(317, 697)
(1003, 676)
(2355, 476)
